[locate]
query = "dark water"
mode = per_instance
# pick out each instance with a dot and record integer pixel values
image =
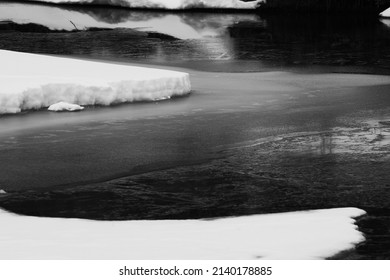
(302, 172)
(233, 42)
(330, 168)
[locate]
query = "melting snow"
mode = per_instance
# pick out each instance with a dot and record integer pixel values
(295, 235)
(30, 81)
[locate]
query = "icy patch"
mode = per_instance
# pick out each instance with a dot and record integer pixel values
(64, 106)
(167, 4)
(295, 235)
(30, 81)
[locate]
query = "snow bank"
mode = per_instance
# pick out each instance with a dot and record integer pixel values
(64, 106)
(166, 4)
(177, 25)
(386, 13)
(30, 81)
(294, 235)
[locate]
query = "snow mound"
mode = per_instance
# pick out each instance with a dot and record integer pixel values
(295, 235)
(386, 13)
(3, 192)
(165, 4)
(64, 106)
(30, 81)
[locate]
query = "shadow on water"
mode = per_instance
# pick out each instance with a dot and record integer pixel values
(206, 41)
(313, 40)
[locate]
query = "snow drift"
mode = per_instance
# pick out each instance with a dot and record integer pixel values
(30, 81)
(165, 4)
(295, 235)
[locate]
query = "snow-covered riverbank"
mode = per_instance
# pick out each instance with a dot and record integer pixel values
(386, 13)
(32, 81)
(166, 4)
(295, 235)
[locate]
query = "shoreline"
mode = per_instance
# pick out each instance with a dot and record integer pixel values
(248, 237)
(148, 9)
(269, 9)
(223, 66)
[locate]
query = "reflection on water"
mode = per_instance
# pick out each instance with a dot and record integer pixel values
(177, 38)
(326, 144)
(372, 138)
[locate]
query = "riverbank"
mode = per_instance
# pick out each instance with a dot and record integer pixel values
(222, 42)
(294, 235)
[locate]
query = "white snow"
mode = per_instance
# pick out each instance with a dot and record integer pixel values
(166, 4)
(3, 192)
(176, 25)
(296, 235)
(65, 106)
(386, 13)
(30, 81)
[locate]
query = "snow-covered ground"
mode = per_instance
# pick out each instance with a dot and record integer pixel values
(30, 81)
(386, 13)
(167, 4)
(176, 25)
(295, 235)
